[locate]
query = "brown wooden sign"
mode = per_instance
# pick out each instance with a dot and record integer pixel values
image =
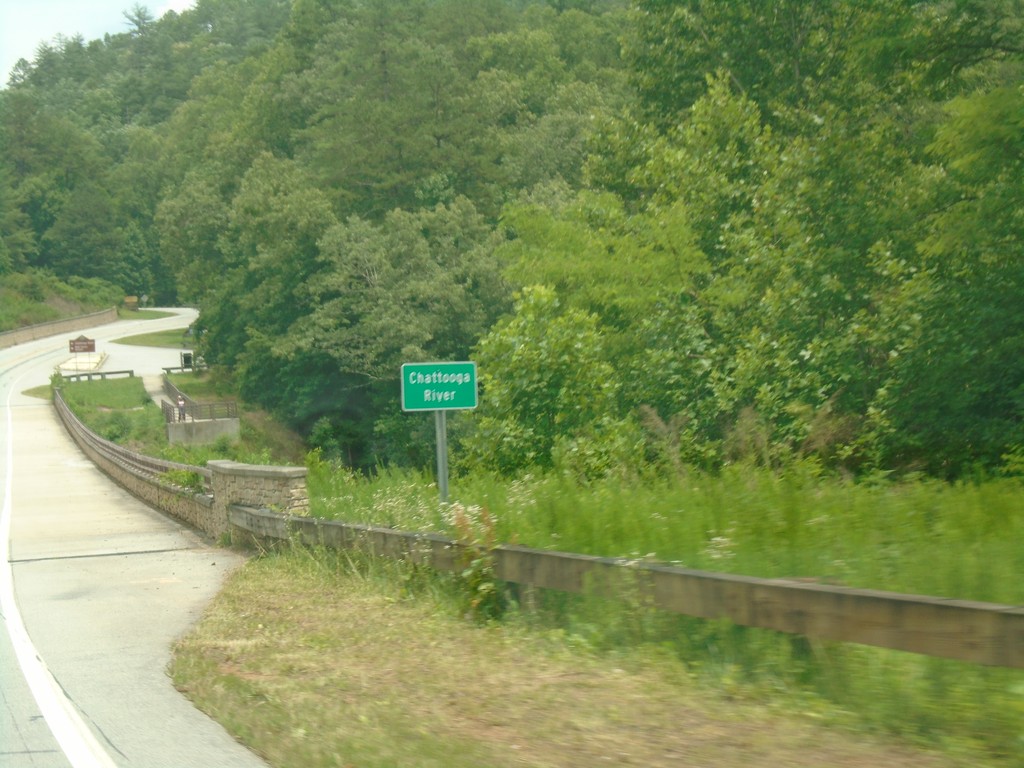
(82, 344)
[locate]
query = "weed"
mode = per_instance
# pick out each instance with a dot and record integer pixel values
(183, 478)
(475, 531)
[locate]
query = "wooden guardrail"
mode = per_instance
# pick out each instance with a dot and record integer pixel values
(977, 632)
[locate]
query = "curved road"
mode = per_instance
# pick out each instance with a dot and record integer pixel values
(94, 589)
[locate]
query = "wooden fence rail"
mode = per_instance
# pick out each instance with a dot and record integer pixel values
(102, 375)
(981, 633)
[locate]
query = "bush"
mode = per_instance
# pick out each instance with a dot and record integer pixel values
(547, 383)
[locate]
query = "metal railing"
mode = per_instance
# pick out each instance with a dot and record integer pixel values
(193, 411)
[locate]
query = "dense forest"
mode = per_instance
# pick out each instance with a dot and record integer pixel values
(671, 232)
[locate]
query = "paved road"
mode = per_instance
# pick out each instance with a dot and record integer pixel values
(94, 589)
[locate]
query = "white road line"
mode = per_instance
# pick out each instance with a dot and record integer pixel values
(78, 743)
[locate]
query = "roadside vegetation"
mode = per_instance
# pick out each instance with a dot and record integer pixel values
(742, 281)
(119, 410)
(955, 540)
(178, 338)
(798, 523)
(37, 296)
(318, 660)
(122, 411)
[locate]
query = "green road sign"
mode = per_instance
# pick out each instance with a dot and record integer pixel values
(438, 386)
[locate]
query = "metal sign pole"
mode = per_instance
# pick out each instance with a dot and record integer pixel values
(439, 387)
(441, 429)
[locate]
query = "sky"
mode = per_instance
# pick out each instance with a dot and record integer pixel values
(25, 24)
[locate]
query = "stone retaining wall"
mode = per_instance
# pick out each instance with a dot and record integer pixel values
(279, 489)
(54, 327)
(268, 487)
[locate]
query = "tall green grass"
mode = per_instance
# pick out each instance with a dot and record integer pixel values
(963, 540)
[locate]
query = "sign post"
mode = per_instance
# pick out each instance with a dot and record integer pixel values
(441, 435)
(439, 387)
(81, 344)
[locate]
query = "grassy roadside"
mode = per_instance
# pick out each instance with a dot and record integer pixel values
(894, 536)
(177, 338)
(122, 411)
(314, 660)
(920, 536)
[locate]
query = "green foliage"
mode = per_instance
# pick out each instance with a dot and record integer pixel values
(122, 411)
(842, 314)
(802, 523)
(190, 481)
(1014, 462)
(598, 256)
(35, 296)
(402, 499)
(118, 410)
(109, 394)
(961, 365)
(545, 377)
(475, 530)
(420, 286)
(791, 226)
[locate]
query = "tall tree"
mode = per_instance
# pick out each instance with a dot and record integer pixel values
(775, 54)
(418, 286)
(957, 390)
